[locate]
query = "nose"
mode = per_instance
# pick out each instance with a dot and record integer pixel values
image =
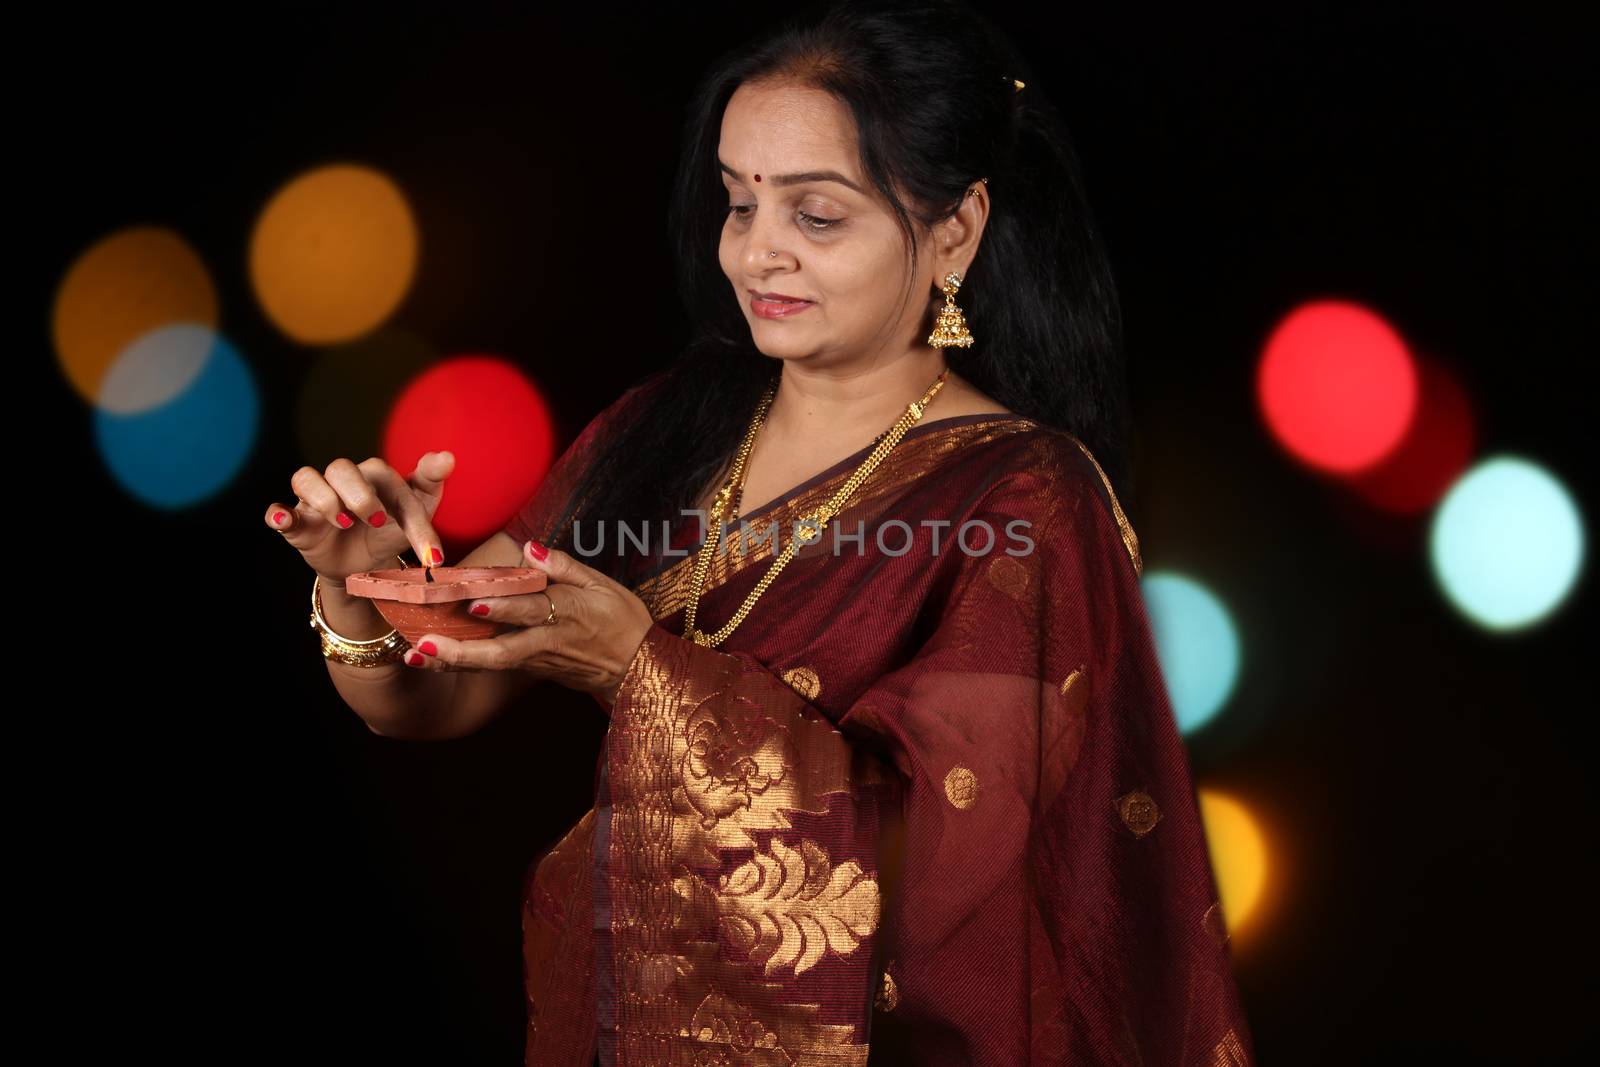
(759, 247)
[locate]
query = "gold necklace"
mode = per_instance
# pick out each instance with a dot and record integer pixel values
(729, 496)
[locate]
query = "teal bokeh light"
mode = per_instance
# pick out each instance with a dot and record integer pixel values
(1197, 644)
(1507, 543)
(185, 450)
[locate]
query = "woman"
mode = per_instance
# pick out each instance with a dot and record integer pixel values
(902, 780)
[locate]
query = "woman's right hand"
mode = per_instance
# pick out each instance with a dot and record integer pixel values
(382, 514)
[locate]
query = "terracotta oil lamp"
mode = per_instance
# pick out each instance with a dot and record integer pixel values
(433, 600)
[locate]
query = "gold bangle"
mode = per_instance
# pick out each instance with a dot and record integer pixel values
(370, 653)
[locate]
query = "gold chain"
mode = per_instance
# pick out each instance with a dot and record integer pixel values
(732, 492)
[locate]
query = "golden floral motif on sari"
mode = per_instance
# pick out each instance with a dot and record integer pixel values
(804, 680)
(732, 758)
(790, 905)
(961, 787)
(705, 758)
(1139, 812)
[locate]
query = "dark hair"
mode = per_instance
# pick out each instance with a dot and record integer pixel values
(930, 85)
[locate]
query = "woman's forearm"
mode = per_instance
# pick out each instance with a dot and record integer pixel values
(394, 700)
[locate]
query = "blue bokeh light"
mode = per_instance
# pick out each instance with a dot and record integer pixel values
(1197, 644)
(185, 450)
(1507, 543)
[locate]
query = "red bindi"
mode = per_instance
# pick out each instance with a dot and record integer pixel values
(758, 177)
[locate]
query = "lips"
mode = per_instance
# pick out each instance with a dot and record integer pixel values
(780, 298)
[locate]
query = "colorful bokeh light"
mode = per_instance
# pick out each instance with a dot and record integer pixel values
(1196, 643)
(1239, 856)
(333, 254)
(487, 412)
(1507, 543)
(116, 293)
(184, 451)
(1336, 386)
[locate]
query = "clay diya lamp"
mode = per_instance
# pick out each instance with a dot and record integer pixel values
(415, 605)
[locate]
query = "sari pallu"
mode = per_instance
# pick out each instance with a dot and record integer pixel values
(927, 804)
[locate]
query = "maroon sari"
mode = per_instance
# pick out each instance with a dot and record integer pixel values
(931, 802)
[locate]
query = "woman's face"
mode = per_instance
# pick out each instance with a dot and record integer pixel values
(838, 246)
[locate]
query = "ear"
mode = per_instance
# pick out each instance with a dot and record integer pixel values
(956, 239)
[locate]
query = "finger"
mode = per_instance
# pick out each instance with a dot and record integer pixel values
(359, 495)
(411, 512)
(563, 568)
(427, 480)
(320, 497)
(281, 517)
(504, 652)
(521, 609)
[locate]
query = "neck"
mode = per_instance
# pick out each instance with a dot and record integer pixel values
(848, 403)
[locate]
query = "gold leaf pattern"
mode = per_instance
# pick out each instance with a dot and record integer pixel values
(788, 906)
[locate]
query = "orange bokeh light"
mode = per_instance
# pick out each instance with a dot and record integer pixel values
(333, 254)
(120, 289)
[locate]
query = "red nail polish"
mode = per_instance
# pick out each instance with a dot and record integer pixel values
(413, 659)
(344, 520)
(378, 519)
(277, 518)
(438, 557)
(427, 648)
(538, 550)
(480, 609)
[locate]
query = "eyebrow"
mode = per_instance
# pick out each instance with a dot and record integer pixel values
(801, 178)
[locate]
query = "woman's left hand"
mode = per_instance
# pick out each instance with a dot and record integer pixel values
(599, 627)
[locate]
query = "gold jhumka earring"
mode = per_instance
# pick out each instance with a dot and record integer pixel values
(951, 327)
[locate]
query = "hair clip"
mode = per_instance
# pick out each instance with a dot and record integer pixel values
(1016, 83)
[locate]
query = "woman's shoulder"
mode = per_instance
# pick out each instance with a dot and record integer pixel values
(1039, 472)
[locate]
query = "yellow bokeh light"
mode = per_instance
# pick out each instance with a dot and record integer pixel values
(333, 254)
(126, 285)
(1238, 851)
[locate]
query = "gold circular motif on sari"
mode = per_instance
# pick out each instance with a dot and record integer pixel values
(1138, 811)
(1008, 575)
(803, 680)
(961, 787)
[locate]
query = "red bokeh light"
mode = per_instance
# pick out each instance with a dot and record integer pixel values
(1337, 386)
(487, 412)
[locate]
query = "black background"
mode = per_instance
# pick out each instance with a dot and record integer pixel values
(230, 867)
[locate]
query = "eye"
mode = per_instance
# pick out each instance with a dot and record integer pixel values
(813, 222)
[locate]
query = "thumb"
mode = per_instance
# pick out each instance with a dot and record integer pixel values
(431, 471)
(560, 566)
